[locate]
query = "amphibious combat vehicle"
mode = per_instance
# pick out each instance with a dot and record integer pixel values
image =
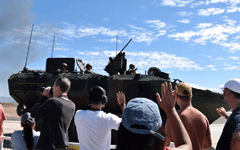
(25, 86)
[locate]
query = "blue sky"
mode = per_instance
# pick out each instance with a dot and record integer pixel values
(194, 41)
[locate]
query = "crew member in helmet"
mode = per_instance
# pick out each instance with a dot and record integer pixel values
(88, 69)
(94, 126)
(131, 69)
(63, 68)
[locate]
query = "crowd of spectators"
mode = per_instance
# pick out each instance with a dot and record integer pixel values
(140, 127)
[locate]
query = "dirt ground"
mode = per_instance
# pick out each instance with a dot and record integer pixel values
(10, 109)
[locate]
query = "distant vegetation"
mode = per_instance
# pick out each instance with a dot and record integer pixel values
(7, 100)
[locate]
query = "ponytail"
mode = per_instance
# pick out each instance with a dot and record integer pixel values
(28, 135)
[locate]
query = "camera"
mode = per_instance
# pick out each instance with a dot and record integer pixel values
(50, 92)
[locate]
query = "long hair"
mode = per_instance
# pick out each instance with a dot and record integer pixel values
(28, 135)
(128, 140)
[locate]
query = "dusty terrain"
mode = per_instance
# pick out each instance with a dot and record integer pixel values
(13, 120)
(10, 109)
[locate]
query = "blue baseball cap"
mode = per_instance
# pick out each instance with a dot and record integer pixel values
(143, 112)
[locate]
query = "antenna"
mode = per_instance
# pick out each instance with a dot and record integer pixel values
(53, 45)
(28, 48)
(116, 44)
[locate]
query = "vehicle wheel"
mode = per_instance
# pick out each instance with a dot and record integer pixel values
(19, 109)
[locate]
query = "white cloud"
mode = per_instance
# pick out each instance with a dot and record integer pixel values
(143, 7)
(184, 36)
(233, 57)
(80, 53)
(234, 47)
(197, 4)
(230, 21)
(203, 25)
(217, 34)
(237, 37)
(231, 5)
(219, 1)
(231, 68)
(176, 3)
(143, 36)
(164, 60)
(140, 54)
(232, 9)
(112, 40)
(184, 21)
(59, 48)
(137, 28)
(218, 11)
(139, 34)
(143, 60)
(94, 53)
(106, 19)
(207, 2)
(158, 24)
(204, 88)
(160, 33)
(88, 31)
(226, 1)
(219, 58)
(168, 3)
(212, 67)
(209, 11)
(184, 13)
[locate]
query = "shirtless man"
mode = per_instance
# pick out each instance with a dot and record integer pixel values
(194, 121)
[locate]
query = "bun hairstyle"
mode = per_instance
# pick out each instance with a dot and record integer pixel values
(97, 95)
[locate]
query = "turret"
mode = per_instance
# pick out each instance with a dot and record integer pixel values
(117, 64)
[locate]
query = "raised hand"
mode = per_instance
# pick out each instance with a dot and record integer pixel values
(46, 92)
(222, 112)
(121, 99)
(167, 102)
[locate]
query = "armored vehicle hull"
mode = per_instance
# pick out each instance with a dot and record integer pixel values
(25, 89)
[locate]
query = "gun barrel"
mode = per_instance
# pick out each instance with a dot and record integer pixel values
(125, 46)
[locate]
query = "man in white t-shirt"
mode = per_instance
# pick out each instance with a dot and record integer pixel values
(94, 126)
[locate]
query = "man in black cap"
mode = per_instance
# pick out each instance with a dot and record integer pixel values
(94, 126)
(63, 68)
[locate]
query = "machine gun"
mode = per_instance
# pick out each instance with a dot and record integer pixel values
(117, 64)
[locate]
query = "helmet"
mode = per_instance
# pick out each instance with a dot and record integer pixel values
(64, 64)
(131, 66)
(97, 95)
(89, 65)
